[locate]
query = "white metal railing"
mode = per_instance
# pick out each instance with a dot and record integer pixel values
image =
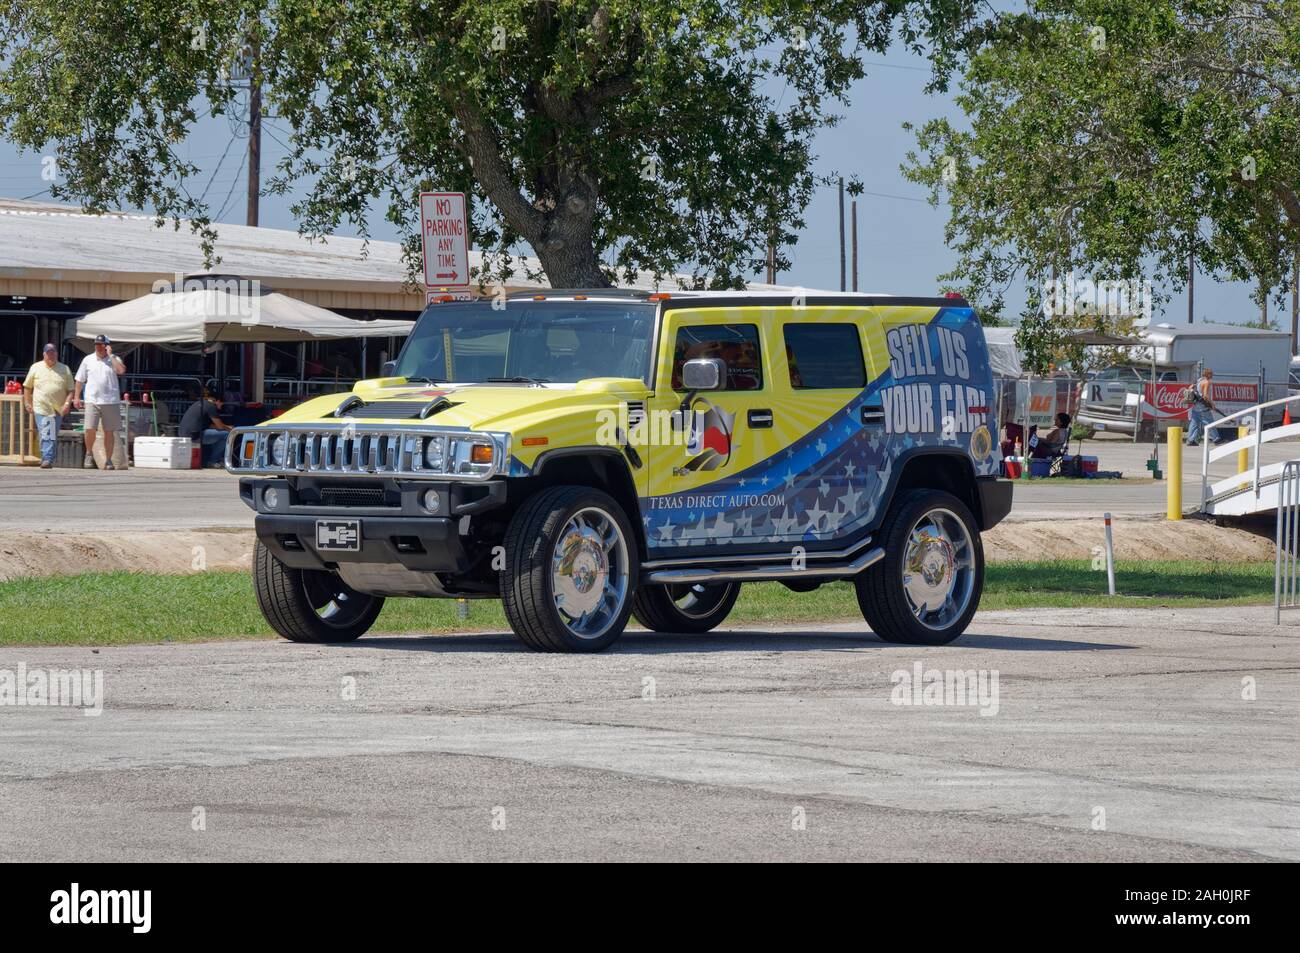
(1286, 574)
(1253, 441)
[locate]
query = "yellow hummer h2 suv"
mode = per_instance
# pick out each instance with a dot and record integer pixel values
(586, 456)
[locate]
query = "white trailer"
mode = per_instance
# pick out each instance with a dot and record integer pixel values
(1256, 361)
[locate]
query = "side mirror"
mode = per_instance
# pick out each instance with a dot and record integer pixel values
(389, 369)
(703, 373)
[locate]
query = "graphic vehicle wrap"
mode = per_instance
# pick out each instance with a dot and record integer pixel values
(823, 469)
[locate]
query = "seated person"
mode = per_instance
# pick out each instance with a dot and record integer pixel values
(1056, 441)
(1010, 434)
(202, 423)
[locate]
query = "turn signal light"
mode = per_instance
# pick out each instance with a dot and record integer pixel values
(481, 453)
(534, 441)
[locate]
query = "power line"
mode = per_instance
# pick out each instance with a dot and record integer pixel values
(919, 69)
(230, 194)
(212, 178)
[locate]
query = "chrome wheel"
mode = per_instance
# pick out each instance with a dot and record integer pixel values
(589, 573)
(938, 569)
(698, 601)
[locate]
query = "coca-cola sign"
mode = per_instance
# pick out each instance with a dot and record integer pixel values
(1163, 400)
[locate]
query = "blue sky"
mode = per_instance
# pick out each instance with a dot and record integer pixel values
(901, 248)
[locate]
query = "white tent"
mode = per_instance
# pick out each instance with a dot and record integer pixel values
(225, 310)
(1004, 358)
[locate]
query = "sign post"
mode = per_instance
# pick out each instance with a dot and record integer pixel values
(444, 238)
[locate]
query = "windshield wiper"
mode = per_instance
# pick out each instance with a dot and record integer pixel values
(536, 381)
(422, 380)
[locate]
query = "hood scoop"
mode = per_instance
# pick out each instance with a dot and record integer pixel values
(354, 406)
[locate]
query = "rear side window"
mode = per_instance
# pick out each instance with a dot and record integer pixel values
(824, 356)
(736, 344)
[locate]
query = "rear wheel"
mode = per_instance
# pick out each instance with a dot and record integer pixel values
(926, 588)
(310, 605)
(570, 564)
(687, 607)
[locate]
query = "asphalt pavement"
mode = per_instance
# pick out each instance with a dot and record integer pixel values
(1111, 736)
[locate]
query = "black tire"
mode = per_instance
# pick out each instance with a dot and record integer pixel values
(310, 605)
(528, 586)
(882, 597)
(670, 608)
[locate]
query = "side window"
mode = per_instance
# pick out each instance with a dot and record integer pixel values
(824, 356)
(736, 344)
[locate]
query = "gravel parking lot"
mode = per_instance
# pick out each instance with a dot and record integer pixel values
(1118, 735)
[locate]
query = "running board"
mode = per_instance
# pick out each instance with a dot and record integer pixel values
(764, 573)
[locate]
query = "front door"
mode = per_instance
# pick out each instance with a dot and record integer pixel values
(697, 445)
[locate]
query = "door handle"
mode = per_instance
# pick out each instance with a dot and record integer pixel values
(872, 414)
(759, 419)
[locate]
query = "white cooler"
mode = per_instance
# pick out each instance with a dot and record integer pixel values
(164, 453)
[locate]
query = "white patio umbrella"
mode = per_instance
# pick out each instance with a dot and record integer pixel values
(213, 309)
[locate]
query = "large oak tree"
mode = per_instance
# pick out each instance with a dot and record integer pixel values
(609, 135)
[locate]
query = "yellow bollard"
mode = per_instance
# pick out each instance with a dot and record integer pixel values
(1243, 455)
(1174, 487)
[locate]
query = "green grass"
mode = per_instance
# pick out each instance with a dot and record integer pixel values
(120, 608)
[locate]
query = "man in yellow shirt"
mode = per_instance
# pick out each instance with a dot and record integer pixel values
(47, 392)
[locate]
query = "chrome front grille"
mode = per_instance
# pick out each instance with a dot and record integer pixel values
(366, 450)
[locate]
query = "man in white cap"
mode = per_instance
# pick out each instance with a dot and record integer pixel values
(47, 392)
(97, 376)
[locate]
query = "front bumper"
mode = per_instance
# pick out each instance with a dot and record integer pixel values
(430, 544)
(403, 532)
(995, 501)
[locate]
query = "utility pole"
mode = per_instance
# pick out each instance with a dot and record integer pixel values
(855, 244)
(771, 262)
(1191, 279)
(254, 133)
(254, 364)
(842, 233)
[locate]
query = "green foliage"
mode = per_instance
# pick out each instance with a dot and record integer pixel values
(612, 136)
(1110, 139)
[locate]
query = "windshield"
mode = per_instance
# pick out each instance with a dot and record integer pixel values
(549, 341)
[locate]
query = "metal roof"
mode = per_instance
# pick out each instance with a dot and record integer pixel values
(1167, 332)
(53, 250)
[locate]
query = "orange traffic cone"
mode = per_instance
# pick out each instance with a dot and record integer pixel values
(1286, 416)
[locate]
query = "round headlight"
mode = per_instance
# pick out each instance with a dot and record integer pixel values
(434, 452)
(278, 446)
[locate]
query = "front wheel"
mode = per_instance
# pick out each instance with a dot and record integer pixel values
(571, 563)
(926, 588)
(310, 605)
(684, 607)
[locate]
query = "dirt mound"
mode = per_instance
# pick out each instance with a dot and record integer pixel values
(57, 554)
(65, 554)
(1134, 539)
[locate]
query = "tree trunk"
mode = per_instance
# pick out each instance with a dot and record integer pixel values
(565, 245)
(573, 266)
